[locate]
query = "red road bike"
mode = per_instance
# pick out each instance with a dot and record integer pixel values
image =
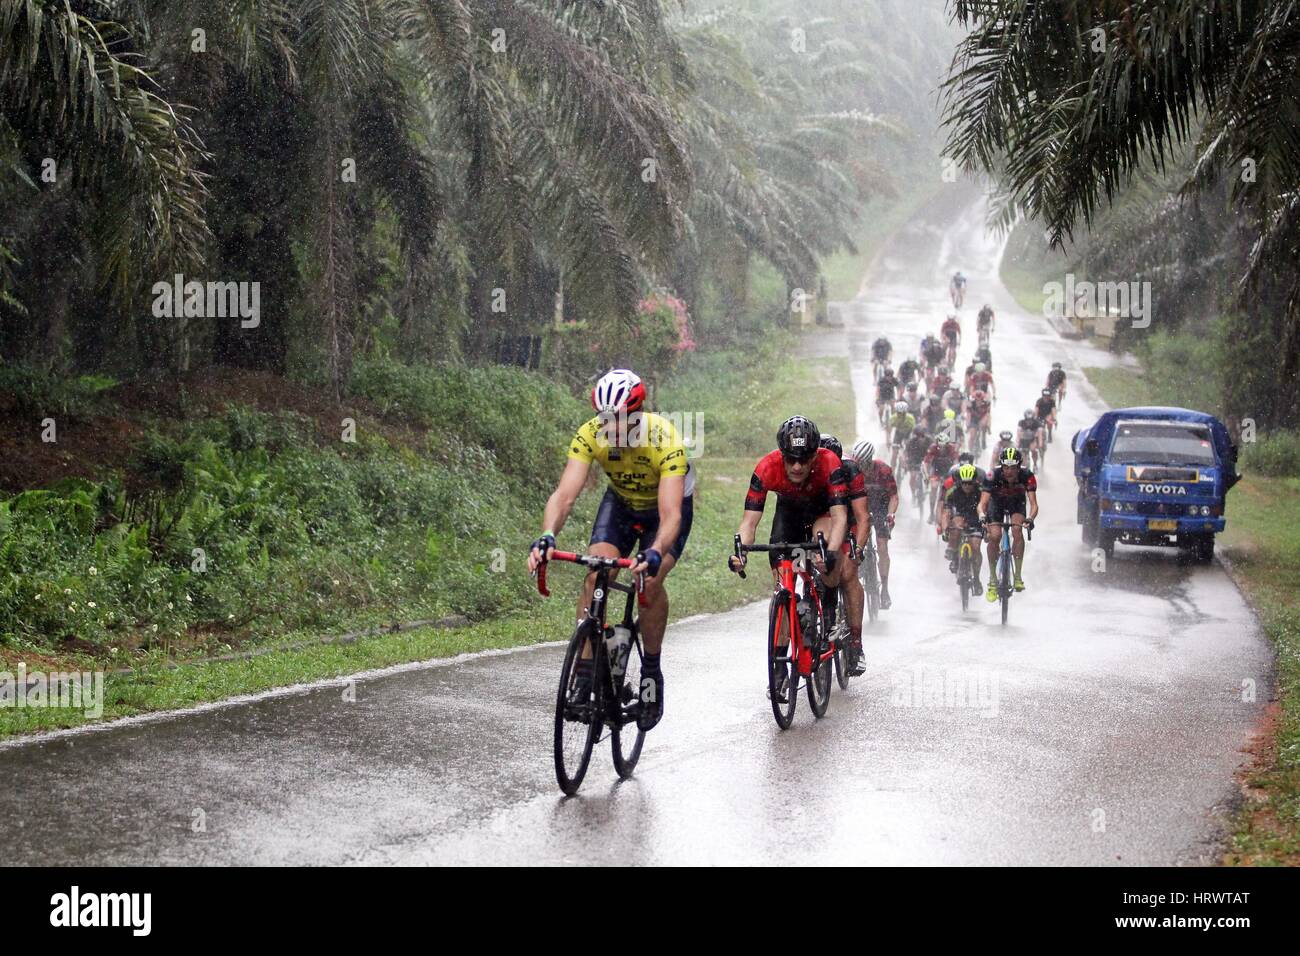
(796, 612)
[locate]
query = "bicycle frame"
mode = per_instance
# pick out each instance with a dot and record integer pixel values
(605, 568)
(788, 578)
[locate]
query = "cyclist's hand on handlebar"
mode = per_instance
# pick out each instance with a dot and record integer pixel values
(1029, 524)
(648, 562)
(540, 552)
(889, 521)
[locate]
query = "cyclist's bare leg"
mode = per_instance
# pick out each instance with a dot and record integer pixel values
(882, 560)
(853, 597)
(993, 537)
(653, 618)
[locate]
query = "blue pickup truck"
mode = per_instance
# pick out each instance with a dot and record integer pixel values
(1154, 476)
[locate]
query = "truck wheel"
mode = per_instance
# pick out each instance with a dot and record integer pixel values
(1204, 549)
(1091, 526)
(1106, 541)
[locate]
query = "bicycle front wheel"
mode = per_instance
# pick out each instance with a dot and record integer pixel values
(782, 668)
(577, 715)
(626, 739)
(1004, 580)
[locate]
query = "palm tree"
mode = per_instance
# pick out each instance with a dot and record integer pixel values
(1067, 101)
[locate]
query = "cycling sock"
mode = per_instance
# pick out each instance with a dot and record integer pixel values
(649, 664)
(1020, 564)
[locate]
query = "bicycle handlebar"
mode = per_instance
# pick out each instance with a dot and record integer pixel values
(819, 544)
(593, 561)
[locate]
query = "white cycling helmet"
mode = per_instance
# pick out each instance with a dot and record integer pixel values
(900, 406)
(863, 452)
(618, 390)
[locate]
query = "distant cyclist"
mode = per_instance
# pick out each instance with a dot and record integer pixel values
(950, 333)
(915, 401)
(1045, 409)
(909, 370)
(1029, 436)
(881, 351)
(1056, 382)
(941, 456)
(886, 392)
(984, 321)
(900, 427)
(942, 379)
(957, 289)
(932, 414)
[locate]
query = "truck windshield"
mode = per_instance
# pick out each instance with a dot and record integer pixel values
(1162, 443)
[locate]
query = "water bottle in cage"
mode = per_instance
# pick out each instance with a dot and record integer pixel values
(618, 641)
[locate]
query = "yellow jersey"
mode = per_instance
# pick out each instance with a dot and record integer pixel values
(653, 449)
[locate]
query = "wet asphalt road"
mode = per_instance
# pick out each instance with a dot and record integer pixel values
(1103, 725)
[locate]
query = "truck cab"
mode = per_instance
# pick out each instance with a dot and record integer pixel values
(1154, 476)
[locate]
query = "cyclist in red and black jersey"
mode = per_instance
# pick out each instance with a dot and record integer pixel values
(811, 494)
(941, 456)
(882, 501)
(1006, 492)
(950, 333)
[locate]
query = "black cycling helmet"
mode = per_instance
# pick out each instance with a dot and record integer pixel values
(920, 430)
(1056, 365)
(833, 443)
(965, 458)
(798, 438)
(934, 399)
(1010, 456)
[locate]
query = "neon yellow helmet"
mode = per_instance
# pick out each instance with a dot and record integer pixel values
(966, 473)
(949, 414)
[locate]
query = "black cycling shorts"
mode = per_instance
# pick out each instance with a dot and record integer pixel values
(792, 523)
(627, 529)
(1001, 509)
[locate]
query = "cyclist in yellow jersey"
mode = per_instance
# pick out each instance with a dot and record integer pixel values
(648, 505)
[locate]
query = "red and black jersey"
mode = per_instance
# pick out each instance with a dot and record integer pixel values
(951, 329)
(826, 484)
(854, 480)
(941, 457)
(980, 381)
(999, 487)
(878, 480)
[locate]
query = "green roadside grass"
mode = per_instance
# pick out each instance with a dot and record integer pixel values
(739, 398)
(1262, 548)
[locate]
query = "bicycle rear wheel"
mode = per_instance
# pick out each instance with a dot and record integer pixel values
(819, 682)
(626, 740)
(781, 666)
(963, 578)
(870, 585)
(577, 721)
(841, 634)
